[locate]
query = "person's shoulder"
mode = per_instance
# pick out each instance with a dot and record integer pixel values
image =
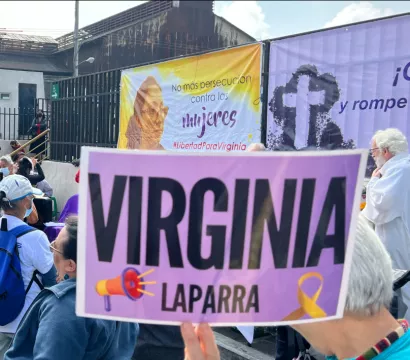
(399, 350)
(34, 235)
(110, 327)
(61, 312)
(60, 298)
(119, 337)
(398, 168)
(28, 231)
(36, 240)
(102, 324)
(404, 168)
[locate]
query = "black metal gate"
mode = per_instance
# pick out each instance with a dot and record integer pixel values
(85, 112)
(16, 122)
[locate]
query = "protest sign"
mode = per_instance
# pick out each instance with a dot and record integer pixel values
(335, 88)
(245, 238)
(209, 102)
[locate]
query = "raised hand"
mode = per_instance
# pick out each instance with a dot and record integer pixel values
(199, 342)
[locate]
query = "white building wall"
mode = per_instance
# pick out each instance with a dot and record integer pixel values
(9, 83)
(61, 177)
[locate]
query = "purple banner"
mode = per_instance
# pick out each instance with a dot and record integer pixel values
(255, 238)
(335, 88)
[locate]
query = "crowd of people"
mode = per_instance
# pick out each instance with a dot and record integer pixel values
(22, 181)
(33, 172)
(44, 324)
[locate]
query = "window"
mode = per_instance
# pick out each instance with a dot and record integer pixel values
(4, 96)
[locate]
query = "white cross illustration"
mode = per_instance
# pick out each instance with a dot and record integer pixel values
(301, 100)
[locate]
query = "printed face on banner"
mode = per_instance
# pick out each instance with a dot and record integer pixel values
(202, 103)
(146, 125)
(256, 238)
(334, 89)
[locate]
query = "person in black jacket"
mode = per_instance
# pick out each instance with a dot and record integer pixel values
(25, 166)
(37, 127)
(158, 342)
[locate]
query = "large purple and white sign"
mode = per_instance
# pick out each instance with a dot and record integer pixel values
(251, 238)
(335, 88)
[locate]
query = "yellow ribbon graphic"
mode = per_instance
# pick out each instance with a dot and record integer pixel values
(307, 304)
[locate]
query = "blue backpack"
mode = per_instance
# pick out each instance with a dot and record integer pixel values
(12, 293)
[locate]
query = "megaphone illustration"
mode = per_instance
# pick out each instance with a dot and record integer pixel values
(130, 284)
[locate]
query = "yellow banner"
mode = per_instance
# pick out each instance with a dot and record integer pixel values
(208, 102)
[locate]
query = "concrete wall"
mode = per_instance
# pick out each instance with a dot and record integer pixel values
(59, 175)
(9, 83)
(61, 178)
(5, 147)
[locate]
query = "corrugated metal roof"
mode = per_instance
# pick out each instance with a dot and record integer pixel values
(107, 25)
(32, 63)
(28, 38)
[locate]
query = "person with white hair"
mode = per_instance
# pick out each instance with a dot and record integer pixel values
(367, 329)
(256, 147)
(388, 198)
(6, 165)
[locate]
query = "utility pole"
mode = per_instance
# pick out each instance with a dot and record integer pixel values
(75, 60)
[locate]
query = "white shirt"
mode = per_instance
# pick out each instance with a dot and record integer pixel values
(35, 254)
(388, 208)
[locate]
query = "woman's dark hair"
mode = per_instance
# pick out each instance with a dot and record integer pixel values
(40, 115)
(18, 156)
(4, 202)
(25, 166)
(70, 245)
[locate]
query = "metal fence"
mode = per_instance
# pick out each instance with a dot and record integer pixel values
(15, 123)
(85, 113)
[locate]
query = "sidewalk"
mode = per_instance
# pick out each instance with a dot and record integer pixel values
(233, 346)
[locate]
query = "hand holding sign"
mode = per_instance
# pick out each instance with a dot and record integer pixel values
(376, 173)
(199, 342)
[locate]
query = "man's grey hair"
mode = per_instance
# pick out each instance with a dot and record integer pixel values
(371, 276)
(391, 139)
(256, 147)
(7, 159)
